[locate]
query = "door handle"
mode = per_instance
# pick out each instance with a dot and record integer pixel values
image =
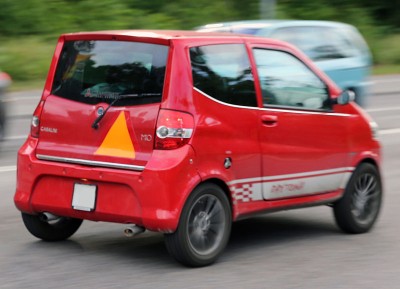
(269, 120)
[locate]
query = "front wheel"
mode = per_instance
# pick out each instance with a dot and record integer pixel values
(359, 207)
(56, 230)
(203, 229)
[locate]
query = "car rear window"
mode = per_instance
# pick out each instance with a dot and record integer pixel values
(101, 71)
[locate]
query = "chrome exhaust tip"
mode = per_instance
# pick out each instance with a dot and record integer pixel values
(48, 217)
(133, 230)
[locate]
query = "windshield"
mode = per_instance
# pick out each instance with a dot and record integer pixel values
(101, 71)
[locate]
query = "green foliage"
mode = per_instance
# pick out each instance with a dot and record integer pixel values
(28, 60)
(29, 29)
(389, 50)
(52, 17)
(386, 69)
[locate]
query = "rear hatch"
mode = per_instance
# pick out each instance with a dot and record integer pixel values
(104, 102)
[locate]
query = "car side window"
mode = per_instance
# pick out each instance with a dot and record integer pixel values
(287, 81)
(223, 72)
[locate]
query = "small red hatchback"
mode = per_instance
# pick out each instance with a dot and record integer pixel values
(184, 132)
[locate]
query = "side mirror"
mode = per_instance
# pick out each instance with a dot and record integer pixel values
(345, 97)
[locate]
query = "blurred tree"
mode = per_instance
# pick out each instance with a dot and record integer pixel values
(40, 21)
(17, 19)
(192, 13)
(385, 12)
(49, 17)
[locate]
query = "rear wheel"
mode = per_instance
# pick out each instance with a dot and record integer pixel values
(357, 211)
(204, 227)
(56, 230)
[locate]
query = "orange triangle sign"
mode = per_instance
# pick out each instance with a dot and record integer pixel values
(117, 142)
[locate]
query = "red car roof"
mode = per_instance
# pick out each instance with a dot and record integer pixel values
(161, 34)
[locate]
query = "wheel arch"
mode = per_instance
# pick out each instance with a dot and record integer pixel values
(220, 183)
(375, 164)
(371, 161)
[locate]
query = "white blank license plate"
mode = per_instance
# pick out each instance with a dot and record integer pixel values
(84, 197)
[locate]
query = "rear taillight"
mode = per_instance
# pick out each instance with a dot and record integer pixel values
(35, 123)
(174, 129)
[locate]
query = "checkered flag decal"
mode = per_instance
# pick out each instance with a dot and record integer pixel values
(246, 192)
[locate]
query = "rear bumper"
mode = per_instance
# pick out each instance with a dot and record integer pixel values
(152, 198)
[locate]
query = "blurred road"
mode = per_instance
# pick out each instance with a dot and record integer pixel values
(294, 249)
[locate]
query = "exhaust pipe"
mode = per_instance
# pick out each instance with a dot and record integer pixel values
(47, 217)
(133, 230)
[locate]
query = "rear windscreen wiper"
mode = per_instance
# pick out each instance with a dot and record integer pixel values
(96, 122)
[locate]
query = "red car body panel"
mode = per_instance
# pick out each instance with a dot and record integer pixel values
(279, 157)
(147, 198)
(63, 113)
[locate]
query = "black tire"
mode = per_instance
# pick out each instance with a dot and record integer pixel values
(358, 209)
(204, 227)
(51, 231)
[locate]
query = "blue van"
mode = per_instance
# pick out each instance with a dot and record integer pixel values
(336, 48)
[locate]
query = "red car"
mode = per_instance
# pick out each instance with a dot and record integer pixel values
(184, 132)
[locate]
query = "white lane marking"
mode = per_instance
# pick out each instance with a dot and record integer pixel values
(389, 131)
(383, 109)
(21, 98)
(16, 137)
(8, 169)
(385, 80)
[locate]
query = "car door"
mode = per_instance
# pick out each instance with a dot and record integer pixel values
(304, 142)
(226, 136)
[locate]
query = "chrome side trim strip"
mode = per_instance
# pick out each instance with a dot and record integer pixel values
(90, 163)
(277, 108)
(225, 103)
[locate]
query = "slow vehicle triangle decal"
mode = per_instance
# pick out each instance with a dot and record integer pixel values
(118, 142)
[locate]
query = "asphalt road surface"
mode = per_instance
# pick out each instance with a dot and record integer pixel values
(293, 249)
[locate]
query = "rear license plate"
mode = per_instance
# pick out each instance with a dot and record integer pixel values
(84, 197)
